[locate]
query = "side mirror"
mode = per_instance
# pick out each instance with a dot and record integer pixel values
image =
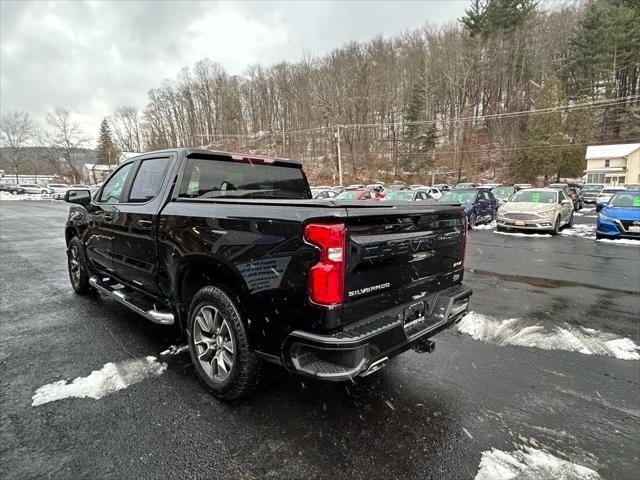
(79, 197)
(599, 206)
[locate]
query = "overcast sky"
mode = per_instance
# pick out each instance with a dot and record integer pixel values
(92, 57)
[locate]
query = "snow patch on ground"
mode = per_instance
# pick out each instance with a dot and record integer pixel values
(582, 231)
(529, 464)
(486, 226)
(109, 379)
(620, 241)
(515, 331)
(8, 196)
(522, 234)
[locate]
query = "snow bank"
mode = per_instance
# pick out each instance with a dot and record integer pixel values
(8, 196)
(582, 231)
(569, 338)
(521, 234)
(485, 226)
(620, 241)
(110, 378)
(530, 464)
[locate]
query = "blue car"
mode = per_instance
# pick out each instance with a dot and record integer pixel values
(480, 203)
(620, 218)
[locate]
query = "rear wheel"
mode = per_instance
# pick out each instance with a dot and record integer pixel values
(78, 271)
(219, 345)
(472, 220)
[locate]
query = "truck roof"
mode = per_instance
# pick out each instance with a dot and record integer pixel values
(199, 153)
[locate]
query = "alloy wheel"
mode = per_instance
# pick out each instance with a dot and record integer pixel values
(74, 265)
(214, 342)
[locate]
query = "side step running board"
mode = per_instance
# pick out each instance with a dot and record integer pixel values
(133, 300)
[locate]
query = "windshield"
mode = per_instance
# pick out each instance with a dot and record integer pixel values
(350, 195)
(459, 197)
(503, 192)
(400, 196)
(535, 197)
(213, 178)
(625, 200)
(592, 188)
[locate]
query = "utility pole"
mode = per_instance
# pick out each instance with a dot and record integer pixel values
(339, 155)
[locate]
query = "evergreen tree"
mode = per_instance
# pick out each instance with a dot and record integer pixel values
(486, 17)
(106, 152)
(541, 147)
(419, 137)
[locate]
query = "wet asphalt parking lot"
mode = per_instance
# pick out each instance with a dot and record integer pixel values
(423, 416)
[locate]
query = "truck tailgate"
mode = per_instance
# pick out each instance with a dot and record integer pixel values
(399, 254)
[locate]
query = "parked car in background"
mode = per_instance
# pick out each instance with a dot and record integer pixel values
(35, 188)
(605, 195)
(59, 189)
(620, 218)
(407, 195)
(416, 186)
(569, 193)
(322, 193)
(79, 185)
(397, 186)
(378, 187)
(590, 192)
(522, 186)
(489, 186)
(434, 192)
(502, 194)
(359, 194)
(536, 209)
(322, 187)
(355, 186)
(480, 203)
(576, 192)
(462, 186)
(443, 187)
(12, 188)
(632, 186)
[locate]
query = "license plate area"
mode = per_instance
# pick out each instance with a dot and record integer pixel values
(520, 223)
(414, 314)
(634, 229)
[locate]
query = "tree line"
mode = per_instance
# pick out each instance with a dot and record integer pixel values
(513, 90)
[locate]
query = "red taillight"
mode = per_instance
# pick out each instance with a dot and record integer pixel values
(326, 278)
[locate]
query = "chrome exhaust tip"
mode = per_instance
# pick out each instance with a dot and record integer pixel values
(375, 366)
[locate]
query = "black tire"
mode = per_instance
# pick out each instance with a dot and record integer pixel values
(44, 192)
(77, 265)
(14, 192)
(472, 220)
(244, 373)
(556, 228)
(570, 224)
(500, 228)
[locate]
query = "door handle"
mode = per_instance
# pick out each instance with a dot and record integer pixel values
(145, 224)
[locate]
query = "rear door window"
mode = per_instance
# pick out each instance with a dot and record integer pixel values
(221, 178)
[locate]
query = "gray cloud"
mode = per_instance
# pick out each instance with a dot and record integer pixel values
(92, 57)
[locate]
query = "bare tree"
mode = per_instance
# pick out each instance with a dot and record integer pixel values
(66, 136)
(16, 130)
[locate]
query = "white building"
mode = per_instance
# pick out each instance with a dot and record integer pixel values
(95, 173)
(613, 164)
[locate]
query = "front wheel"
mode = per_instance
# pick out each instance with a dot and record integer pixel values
(219, 345)
(570, 224)
(78, 270)
(556, 228)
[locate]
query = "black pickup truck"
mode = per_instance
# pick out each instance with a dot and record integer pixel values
(232, 250)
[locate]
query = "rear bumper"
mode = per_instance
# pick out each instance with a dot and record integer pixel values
(360, 347)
